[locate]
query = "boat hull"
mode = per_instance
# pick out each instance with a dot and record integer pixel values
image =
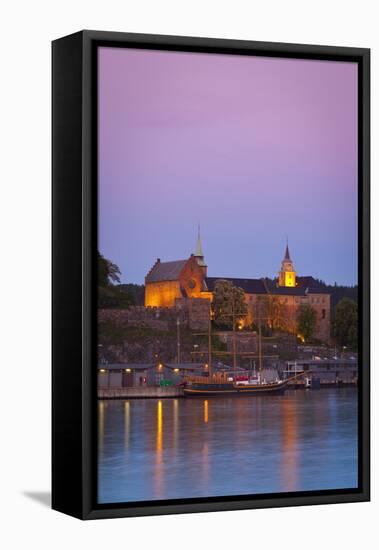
(202, 389)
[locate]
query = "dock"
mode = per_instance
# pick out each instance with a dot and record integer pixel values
(145, 392)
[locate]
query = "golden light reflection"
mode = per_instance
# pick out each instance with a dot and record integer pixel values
(290, 453)
(127, 423)
(159, 470)
(206, 411)
(159, 428)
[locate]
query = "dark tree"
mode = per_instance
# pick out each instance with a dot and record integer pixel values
(345, 326)
(306, 322)
(228, 303)
(111, 295)
(108, 272)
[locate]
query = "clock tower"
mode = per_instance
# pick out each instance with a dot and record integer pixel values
(287, 274)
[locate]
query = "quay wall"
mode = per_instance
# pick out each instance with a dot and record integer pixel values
(139, 393)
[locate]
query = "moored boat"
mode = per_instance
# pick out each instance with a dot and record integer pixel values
(231, 383)
(220, 385)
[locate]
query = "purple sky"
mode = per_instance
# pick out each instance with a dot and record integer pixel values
(253, 148)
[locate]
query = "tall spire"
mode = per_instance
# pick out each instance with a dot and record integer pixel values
(287, 253)
(199, 250)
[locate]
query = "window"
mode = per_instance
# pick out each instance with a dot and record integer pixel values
(323, 314)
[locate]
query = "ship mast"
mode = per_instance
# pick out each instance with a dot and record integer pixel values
(210, 341)
(260, 347)
(234, 340)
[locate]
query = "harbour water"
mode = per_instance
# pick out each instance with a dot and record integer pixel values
(152, 449)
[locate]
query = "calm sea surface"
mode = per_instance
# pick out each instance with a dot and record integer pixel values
(181, 448)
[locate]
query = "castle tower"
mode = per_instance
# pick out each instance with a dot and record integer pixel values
(199, 253)
(287, 274)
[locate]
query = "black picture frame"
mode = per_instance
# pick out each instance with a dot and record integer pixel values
(74, 204)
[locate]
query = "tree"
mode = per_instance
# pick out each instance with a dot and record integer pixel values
(345, 326)
(306, 321)
(114, 297)
(272, 312)
(108, 272)
(111, 295)
(228, 302)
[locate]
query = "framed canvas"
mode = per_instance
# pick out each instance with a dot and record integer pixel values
(210, 274)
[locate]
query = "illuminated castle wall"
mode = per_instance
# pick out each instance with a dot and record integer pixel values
(168, 283)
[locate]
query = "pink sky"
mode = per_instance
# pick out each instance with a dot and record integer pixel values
(255, 149)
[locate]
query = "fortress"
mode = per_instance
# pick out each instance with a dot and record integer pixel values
(182, 282)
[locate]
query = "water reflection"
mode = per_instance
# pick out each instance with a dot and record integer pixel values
(127, 424)
(159, 476)
(159, 428)
(161, 449)
(206, 417)
(289, 472)
(101, 409)
(175, 423)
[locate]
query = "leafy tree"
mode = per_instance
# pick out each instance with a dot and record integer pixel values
(111, 295)
(137, 292)
(306, 321)
(228, 302)
(272, 312)
(114, 297)
(108, 272)
(345, 326)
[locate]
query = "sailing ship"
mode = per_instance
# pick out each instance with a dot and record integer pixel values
(230, 383)
(221, 385)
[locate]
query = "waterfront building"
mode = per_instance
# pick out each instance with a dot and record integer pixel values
(169, 284)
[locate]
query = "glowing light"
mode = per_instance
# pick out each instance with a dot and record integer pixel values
(103, 370)
(206, 365)
(162, 294)
(176, 370)
(128, 370)
(160, 366)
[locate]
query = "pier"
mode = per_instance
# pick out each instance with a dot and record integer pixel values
(152, 392)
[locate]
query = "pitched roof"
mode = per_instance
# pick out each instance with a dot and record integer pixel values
(165, 271)
(304, 285)
(313, 286)
(250, 286)
(288, 291)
